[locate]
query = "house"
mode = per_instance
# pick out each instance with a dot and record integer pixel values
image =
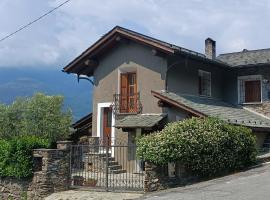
(141, 83)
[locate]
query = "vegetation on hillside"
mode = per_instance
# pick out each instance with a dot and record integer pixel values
(27, 124)
(39, 115)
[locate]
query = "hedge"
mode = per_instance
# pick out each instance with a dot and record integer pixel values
(16, 159)
(205, 146)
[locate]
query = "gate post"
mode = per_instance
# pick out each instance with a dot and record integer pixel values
(107, 164)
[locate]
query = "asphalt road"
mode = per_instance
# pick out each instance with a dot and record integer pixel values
(253, 184)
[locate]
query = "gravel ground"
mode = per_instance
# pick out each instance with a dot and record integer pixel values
(91, 195)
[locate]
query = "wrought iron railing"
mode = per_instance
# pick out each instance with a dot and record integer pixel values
(127, 104)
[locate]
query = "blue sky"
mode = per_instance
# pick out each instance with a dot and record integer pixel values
(58, 38)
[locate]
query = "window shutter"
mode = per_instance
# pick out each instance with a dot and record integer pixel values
(124, 92)
(252, 91)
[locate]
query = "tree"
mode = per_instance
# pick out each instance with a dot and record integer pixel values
(40, 115)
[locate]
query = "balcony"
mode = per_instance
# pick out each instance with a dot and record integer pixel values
(127, 104)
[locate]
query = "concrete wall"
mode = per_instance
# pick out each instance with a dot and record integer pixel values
(125, 57)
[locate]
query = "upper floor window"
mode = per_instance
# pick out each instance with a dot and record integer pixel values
(128, 92)
(249, 89)
(204, 83)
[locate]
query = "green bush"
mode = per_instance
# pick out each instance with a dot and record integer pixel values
(205, 146)
(40, 115)
(16, 159)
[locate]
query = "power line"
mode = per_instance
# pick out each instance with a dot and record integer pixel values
(34, 21)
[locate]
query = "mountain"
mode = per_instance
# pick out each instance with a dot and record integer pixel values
(18, 82)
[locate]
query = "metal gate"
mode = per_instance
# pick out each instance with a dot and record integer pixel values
(107, 167)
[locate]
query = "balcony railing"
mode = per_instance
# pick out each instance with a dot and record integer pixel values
(127, 104)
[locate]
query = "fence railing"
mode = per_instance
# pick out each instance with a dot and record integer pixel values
(107, 167)
(127, 104)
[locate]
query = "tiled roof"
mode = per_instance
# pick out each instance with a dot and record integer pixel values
(139, 121)
(216, 108)
(77, 66)
(246, 57)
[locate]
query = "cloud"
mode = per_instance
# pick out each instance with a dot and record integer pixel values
(60, 37)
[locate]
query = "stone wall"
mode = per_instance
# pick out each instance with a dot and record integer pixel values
(157, 177)
(51, 174)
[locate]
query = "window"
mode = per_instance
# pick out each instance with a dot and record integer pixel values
(128, 89)
(204, 83)
(249, 89)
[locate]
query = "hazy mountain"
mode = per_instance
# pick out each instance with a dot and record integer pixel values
(25, 82)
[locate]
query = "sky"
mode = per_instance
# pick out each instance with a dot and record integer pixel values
(58, 38)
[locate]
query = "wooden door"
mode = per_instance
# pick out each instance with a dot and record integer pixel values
(128, 95)
(107, 126)
(252, 91)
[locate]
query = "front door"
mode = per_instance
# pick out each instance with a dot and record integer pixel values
(107, 126)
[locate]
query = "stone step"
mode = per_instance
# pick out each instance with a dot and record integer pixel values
(118, 171)
(110, 159)
(114, 167)
(112, 162)
(100, 154)
(267, 145)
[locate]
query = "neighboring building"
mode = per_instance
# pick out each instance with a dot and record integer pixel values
(141, 83)
(82, 128)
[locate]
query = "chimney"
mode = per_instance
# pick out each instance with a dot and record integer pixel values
(210, 48)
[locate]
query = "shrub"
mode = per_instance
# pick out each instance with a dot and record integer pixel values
(206, 146)
(16, 159)
(39, 115)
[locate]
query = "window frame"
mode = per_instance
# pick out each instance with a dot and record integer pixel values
(210, 85)
(241, 81)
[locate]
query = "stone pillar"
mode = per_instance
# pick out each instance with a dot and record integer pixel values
(93, 144)
(64, 145)
(54, 173)
(151, 179)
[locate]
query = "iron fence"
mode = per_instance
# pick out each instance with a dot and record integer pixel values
(107, 167)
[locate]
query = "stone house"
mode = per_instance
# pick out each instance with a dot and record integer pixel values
(141, 83)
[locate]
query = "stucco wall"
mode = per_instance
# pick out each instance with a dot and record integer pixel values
(260, 137)
(150, 71)
(231, 87)
(183, 78)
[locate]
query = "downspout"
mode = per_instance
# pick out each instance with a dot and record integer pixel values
(170, 67)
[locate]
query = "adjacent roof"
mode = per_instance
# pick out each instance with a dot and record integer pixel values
(86, 62)
(140, 121)
(83, 123)
(246, 57)
(205, 106)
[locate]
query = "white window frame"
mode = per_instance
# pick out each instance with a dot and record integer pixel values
(210, 85)
(248, 78)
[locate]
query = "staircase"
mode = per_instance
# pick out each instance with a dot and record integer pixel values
(266, 144)
(98, 161)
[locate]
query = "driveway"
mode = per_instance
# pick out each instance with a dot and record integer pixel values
(248, 185)
(91, 195)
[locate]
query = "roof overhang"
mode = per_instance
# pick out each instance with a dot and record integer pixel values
(146, 121)
(86, 62)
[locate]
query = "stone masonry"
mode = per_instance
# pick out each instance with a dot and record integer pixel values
(51, 174)
(157, 178)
